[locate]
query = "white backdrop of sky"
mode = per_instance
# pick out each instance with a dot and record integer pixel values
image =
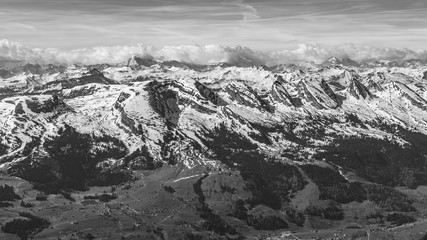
(261, 25)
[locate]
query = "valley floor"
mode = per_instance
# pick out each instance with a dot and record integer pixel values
(146, 209)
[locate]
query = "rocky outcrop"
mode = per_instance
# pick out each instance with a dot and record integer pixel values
(280, 94)
(242, 94)
(358, 90)
(124, 116)
(136, 62)
(410, 95)
(210, 94)
(327, 89)
(80, 91)
(373, 81)
(165, 101)
(318, 93)
(93, 76)
(45, 104)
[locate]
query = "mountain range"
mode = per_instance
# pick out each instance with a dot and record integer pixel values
(172, 150)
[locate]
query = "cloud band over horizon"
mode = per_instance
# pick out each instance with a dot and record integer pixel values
(203, 54)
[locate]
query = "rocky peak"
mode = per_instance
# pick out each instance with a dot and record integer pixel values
(318, 92)
(332, 61)
(280, 94)
(136, 62)
(358, 90)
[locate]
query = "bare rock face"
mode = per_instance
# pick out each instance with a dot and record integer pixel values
(124, 116)
(165, 101)
(244, 95)
(136, 62)
(318, 93)
(358, 90)
(409, 94)
(210, 94)
(280, 94)
(373, 81)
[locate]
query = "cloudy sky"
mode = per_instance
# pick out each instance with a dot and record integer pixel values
(262, 25)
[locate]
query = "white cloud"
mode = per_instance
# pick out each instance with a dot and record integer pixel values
(320, 53)
(208, 54)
